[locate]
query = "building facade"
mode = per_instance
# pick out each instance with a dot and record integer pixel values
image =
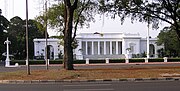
(113, 46)
(53, 46)
(101, 46)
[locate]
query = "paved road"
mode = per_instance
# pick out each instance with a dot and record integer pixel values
(94, 86)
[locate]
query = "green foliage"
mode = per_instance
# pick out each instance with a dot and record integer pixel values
(4, 23)
(173, 59)
(150, 11)
(67, 16)
(156, 60)
(136, 60)
(116, 60)
(35, 62)
(96, 61)
(168, 38)
(16, 33)
(79, 61)
(55, 15)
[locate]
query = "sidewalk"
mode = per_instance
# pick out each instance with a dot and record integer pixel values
(112, 72)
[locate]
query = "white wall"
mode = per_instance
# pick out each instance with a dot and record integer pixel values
(39, 45)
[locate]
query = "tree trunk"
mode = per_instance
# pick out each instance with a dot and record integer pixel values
(68, 49)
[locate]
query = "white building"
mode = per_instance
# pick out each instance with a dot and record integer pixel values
(101, 46)
(54, 48)
(113, 45)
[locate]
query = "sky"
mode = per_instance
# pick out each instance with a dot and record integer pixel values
(18, 8)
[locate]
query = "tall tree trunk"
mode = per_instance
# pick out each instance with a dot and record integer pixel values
(68, 49)
(68, 53)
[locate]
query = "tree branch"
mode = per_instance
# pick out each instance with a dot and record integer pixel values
(68, 3)
(74, 6)
(79, 14)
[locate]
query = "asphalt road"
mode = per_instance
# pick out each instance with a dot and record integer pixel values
(94, 86)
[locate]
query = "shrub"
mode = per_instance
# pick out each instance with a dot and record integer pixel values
(156, 60)
(136, 60)
(116, 60)
(35, 62)
(173, 59)
(97, 61)
(79, 61)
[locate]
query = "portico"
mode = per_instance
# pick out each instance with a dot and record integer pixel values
(101, 47)
(110, 45)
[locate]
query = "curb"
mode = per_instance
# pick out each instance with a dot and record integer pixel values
(96, 80)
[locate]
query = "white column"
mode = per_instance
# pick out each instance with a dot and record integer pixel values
(98, 47)
(92, 47)
(123, 46)
(110, 47)
(79, 54)
(104, 47)
(155, 49)
(148, 42)
(86, 48)
(80, 44)
(117, 47)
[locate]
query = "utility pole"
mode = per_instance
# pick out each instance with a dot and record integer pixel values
(27, 47)
(46, 49)
(148, 40)
(6, 8)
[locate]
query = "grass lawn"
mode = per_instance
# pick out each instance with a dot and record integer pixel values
(83, 74)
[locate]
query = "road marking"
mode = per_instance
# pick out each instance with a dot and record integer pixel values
(89, 90)
(86, 85)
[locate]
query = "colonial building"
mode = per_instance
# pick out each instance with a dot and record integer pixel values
(113, 45)
(101, 46)
(53, 46)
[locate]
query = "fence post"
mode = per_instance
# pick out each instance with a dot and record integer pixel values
(146, 60)
(48, 61)
(165, 59)
(126, 60)
(87, 60)
(107, 60)
(26, 62)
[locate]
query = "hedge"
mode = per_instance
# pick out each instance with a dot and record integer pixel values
(116, 60)
(173, 59)
(97, 61)
(156, 60)
(36, 62)
(136, 60)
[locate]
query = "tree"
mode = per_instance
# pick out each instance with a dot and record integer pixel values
(3, 26)
(16, 33)
(151, 11)
(70, 8)
(68, 16)
(168, 37)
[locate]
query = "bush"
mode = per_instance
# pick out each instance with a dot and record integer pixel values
(97, 61)
(79, 61)
(156, 60)
(116, 60)
(136, 60)
(20, 62)
(35, 62)
(173, 59)
(55, 62)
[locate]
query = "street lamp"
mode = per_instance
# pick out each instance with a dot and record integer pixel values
(27, 50)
